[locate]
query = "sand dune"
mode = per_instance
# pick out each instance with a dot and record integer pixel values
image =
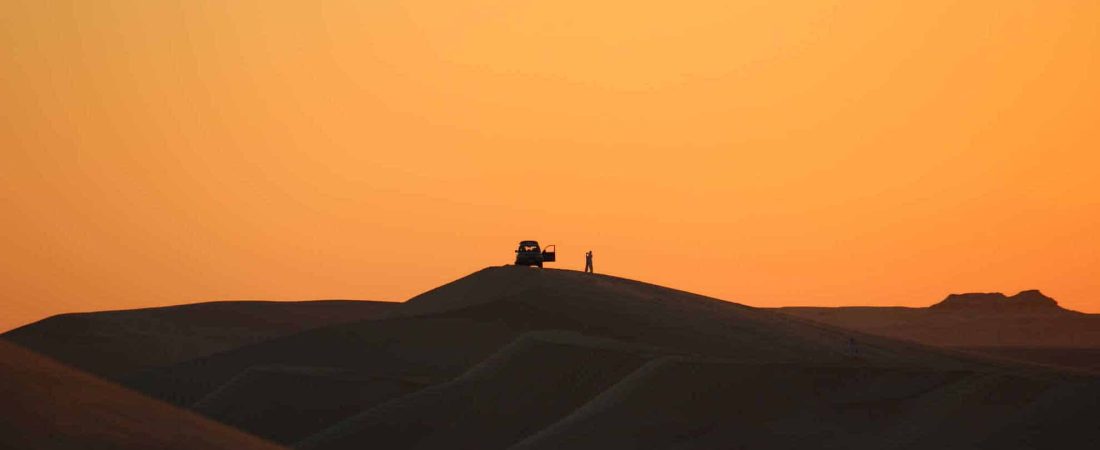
(428, 349)
(440, 334)
(1070, 358)
(286, 404)
(47, 405)
(527, 385)
(680, 403)
(515, 357)
(632, 311)
(1064, 417)
(114, 344)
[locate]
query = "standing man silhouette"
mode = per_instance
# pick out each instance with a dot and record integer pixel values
(588, 262)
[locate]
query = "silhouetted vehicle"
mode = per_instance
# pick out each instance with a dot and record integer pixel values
(529, 254)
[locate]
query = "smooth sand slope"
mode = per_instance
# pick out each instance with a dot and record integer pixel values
(512, 355)
(1075, 358)
(516, 357)
(529, 384)
(46, 405)
(290, 403)
(114, 344)
(682, 404)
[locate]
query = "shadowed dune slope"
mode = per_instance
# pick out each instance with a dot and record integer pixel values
(529, 384)
(1076, 358)
(1062, 418)
(47, 405)
(528, 358)
(286, 404)
(675, 403)
(423, 349)
(113, 344)
(437, 335)
(678, 321)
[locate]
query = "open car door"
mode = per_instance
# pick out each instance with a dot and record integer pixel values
(549, 253)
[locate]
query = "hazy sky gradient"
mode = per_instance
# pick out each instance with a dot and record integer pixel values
(765, 152)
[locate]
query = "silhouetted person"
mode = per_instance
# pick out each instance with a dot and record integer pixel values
(588, 262)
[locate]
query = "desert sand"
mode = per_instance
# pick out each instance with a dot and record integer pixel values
(516, 357)
(113, 344)
(47, 405)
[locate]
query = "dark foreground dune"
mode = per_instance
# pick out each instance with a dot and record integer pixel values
(1069, 357)
(516, 357)
(113, 344)
(289, 403)
(46, 405)
(524, 387)
(697, 404)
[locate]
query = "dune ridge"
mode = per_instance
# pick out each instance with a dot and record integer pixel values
(115, 344)
(48, 405)
(516, 357)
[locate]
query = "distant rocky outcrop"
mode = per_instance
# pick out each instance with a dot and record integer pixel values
(1026, 301)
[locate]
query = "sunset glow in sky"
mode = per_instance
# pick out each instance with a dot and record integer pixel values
(811, 152)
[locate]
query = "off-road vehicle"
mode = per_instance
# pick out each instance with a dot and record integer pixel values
(529, 254)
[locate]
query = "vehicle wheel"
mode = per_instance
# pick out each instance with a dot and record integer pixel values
(540, 265)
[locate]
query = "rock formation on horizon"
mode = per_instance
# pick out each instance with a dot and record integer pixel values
(1025, 301)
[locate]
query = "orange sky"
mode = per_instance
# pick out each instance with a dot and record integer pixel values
(772, 153)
